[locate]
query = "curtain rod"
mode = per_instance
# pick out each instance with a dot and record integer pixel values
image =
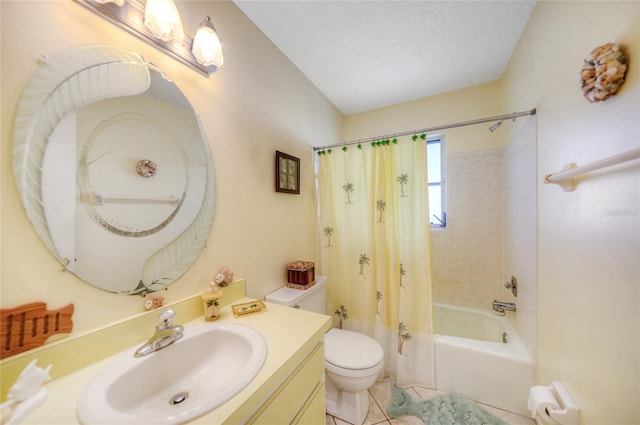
(512, 116)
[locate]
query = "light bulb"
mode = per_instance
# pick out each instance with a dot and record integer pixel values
(206, 45)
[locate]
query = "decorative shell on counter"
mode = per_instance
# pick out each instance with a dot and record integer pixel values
(224, 277)
(153, 302)
(603, 72)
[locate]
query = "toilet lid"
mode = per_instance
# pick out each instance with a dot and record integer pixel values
(351, 350)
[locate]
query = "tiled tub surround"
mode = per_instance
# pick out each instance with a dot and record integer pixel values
(491, 231)
(520, 224)
(467, 258)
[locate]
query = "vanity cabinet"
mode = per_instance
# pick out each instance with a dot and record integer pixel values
(289, 389)
(314, 410)
(300, 398)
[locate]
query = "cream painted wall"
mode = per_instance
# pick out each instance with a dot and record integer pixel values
(460, 105)
(589, 239)
(258, 102)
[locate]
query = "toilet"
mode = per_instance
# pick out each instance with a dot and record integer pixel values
(352, 361)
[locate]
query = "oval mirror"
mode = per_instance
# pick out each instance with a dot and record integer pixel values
(113, 169)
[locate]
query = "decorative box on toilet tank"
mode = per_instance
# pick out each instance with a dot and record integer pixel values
(301, 273)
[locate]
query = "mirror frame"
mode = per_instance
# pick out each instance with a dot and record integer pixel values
(47, 99)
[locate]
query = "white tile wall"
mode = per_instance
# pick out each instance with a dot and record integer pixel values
(491, 231)
(520, 224)
(467, 255)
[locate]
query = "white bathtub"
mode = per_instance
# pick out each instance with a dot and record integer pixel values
(471, 358)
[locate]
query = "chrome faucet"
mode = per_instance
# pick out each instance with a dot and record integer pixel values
(165, 334)
(500, 307)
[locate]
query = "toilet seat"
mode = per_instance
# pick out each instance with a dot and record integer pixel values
(352, 354)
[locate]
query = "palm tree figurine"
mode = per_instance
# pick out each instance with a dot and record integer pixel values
(328, 231)
(364, 260)
(381, 206)
(403, 180)
(403, 335)
(342, 314)
(349, 188)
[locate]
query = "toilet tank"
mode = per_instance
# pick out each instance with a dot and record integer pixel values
(312, 299)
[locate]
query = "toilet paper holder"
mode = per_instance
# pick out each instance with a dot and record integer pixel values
(568, 413)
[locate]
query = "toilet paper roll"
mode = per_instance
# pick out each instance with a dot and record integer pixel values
(541, 399)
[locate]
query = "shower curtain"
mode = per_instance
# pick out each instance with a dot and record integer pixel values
(374, 245)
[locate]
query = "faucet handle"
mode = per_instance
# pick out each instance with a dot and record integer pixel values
(165, 320)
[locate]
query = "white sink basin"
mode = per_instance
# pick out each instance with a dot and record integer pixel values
(182, 381)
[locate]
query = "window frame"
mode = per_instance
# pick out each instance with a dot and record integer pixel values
(439, 139)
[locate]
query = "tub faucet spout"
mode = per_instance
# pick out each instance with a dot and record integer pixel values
(500, 307)
(166, 333)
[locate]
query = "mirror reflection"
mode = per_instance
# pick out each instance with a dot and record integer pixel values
(113, 169)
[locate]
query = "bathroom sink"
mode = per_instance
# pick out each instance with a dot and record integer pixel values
(202, 370)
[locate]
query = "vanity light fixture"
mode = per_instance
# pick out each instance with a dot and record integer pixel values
(158, 23)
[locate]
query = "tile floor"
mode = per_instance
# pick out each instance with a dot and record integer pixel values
(380, 397)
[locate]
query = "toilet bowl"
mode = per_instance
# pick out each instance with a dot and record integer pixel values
(353, 361)
(352, 364)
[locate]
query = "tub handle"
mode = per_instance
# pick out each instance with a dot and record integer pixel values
(513, 285)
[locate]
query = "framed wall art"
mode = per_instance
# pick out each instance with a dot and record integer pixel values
(287, 173)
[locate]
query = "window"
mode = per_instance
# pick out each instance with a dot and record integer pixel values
(435, 178)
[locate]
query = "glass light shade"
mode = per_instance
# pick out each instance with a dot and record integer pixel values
(163, 20)
(206, 45)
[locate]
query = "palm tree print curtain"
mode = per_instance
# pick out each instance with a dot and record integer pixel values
(374, 244)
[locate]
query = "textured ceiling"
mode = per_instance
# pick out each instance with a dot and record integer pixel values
(368, 54)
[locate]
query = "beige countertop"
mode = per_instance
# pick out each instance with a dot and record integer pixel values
(288, 332)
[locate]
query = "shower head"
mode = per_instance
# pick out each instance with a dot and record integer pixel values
(495, 126)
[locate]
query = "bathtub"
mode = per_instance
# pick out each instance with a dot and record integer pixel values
(471, 358)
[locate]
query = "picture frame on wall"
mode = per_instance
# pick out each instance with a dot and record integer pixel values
(287, 173)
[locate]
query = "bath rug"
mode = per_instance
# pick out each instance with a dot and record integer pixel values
(446, 409)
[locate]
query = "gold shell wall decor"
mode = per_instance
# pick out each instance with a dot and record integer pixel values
(603, 72)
